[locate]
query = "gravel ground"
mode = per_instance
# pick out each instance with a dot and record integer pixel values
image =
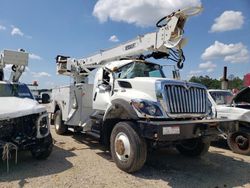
(80, 161)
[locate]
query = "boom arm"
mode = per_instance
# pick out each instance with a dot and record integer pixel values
(18, 60)
(167, 42)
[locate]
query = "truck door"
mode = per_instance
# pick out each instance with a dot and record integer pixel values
(102, 89)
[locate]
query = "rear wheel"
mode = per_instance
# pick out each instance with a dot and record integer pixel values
(193, 147)
(128, 149)
(239, 142)
(60, 127)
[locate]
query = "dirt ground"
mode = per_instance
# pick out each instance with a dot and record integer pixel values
(80, 161)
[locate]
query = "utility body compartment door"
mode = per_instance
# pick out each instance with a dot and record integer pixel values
(75, 107)
(80, 104)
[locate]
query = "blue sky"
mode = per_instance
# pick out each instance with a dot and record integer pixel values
(219, 36)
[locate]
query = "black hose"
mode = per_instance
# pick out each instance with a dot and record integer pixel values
(180, 64)
(165, 17)
(13, 68)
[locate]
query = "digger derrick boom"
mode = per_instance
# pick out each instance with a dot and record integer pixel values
(166, 43)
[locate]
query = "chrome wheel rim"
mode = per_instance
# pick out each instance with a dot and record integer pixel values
(122, 146)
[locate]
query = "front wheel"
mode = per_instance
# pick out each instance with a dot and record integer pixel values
(193, 147)
(128, 149)
(239, 142)
(43, 148)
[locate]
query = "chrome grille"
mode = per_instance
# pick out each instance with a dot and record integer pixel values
(185, 100)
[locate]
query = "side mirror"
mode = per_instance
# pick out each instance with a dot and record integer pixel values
(45, 98)
(104, 87)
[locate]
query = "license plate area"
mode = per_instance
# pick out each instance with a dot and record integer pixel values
(171, 130)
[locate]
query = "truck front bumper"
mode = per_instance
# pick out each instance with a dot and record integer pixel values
(181, 130)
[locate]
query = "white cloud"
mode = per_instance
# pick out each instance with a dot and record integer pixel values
(40, 74)
(140, 12)
(16, 31)
(113, 38)
(228, 20)
(2, 27)
(34, 56)
(233, 53)
(208, 66)
(195, 72)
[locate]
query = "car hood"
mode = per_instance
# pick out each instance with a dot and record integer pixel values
(233, 113)
(13, 107)
(243, 96)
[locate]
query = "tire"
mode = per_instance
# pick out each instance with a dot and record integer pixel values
(128, 149)
(60, 127)
(239, 142)
(193, 147)
(43, 148)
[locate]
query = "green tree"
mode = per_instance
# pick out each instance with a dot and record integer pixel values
(210, 83)
(236, 82)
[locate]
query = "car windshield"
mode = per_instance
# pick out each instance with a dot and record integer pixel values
(221, 97)
(15, 90)
(139, 69)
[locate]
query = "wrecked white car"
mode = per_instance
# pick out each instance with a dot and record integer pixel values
(23, 122)
(234, 108)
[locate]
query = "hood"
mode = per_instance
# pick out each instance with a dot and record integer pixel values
(13, 107)
(147, 87)
(233, 113)
(243, 96)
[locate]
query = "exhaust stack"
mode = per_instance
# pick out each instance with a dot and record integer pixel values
(224, 81)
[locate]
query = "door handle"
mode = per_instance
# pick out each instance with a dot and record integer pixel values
(95, 96)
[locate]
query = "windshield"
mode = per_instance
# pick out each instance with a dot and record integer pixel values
(139, 69)
(221, 97)
(15, 90)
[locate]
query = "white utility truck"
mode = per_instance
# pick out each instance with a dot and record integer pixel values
(24, 123)
(132, 105)
(235, 108)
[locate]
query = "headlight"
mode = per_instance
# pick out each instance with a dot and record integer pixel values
(43, 126)
(147, 107)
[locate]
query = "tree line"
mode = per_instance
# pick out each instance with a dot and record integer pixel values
(211, 83)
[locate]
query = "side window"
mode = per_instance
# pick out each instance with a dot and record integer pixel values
(5, 90)
(138, 70)
(123, 72)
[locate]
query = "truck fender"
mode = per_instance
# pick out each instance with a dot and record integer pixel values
(117, 111)
(57, 106)
(120, 109)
